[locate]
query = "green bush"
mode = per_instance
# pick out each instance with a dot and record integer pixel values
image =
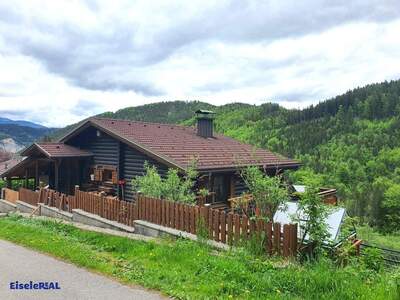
(268, 191)
(314, 212)
(150, 184)
(372, 259)
(174, 187)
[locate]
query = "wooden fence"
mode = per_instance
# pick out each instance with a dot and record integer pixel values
(222, 227)
(29, 196)
(110, 208)
(10, 195)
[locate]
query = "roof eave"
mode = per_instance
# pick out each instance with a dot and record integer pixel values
(25, 152)
(70, 156)
(288, 166)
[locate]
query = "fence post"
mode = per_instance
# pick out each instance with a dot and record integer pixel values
(136, 211)
(216, 225)
(286, 240)
(187, 217)
(204, 217)
(76, 189)
(252, 228)
(268, 232)
(162, 220)
(277, 238)
(230, 229)
(237, 228)
(167, 214)
(245, 222)
(182, 217)
(293, 239)
(196, 218)
(210, 223)
(223, 227)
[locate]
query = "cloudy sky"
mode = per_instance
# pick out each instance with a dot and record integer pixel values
(61, 61)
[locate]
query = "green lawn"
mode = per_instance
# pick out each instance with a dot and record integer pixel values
(188, 270)
(373, 237)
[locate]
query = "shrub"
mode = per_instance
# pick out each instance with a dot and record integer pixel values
(150, 184)
(313, 212)
(372, 259)
(267, 191)
(174, 187)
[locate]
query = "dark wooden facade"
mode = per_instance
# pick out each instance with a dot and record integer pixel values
(129, 162)
(109, 152)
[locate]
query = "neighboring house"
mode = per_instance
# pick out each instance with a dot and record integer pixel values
(328, 195)
(8, 164)
(106, 154)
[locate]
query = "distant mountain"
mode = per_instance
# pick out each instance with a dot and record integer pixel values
(6, 121)
(15, 135)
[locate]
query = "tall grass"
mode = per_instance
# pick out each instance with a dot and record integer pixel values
(189, 270)
(374, 237)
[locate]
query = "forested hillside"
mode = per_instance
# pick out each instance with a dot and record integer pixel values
(162, 112)
(350, 142)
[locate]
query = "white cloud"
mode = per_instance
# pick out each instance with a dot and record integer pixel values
(61, 61)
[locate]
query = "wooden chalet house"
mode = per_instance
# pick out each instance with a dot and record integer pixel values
(106, 154)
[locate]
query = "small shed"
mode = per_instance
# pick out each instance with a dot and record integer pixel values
(335, 221)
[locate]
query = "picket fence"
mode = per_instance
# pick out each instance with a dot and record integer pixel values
(220, 226)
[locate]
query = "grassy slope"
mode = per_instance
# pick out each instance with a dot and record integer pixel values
(373, 237)
(187, 270)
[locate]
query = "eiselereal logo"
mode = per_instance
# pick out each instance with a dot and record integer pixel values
(40, 285)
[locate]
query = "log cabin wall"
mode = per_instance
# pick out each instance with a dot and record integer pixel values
(104, 147)
(111, 152)
(239, 185)
(132, 164)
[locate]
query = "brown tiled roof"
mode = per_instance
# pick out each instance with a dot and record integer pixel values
(54, 150)
(180, 145)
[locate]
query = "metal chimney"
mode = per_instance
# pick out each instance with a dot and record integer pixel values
(205, 120)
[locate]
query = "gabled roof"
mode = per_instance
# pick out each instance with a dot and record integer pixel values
(179, 145)
(55, 150)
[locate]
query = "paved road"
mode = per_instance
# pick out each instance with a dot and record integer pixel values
(18, 263)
